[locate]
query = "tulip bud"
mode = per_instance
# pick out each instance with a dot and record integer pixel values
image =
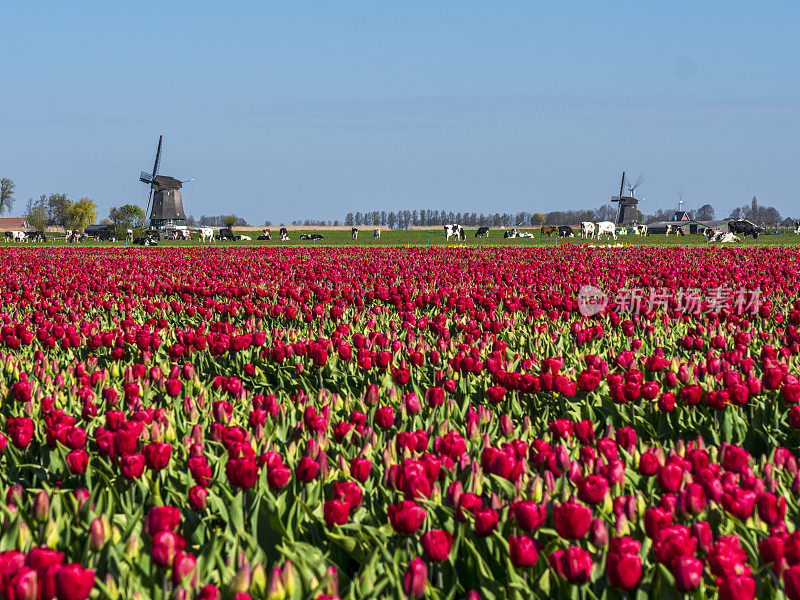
(97, 536)
(598, 533)
(241, 582)
(41, 507)
(288, 578)
(621, 526)
(112, 591)
(24, 537)
(258, 580)
(276, 590)
(51, 535)
(133, 546)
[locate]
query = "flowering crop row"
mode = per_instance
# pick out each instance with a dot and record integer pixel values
(274, 423)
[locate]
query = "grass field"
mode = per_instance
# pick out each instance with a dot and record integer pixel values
(436, 238)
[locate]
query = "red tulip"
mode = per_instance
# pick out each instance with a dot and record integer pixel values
(572, 520)
(406, 517)
(436, 545)
(523, 551)
(415, 579)
(73, 582)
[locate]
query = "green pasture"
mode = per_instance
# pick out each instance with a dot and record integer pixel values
(437, 238)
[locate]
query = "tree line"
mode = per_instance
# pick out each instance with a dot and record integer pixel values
(767, 215)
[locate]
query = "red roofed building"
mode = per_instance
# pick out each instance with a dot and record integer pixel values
(13, 223)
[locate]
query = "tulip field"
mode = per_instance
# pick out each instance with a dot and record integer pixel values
(444, 423)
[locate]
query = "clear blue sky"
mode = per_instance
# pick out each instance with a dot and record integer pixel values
(299, 109)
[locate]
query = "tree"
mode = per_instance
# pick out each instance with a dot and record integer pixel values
(735, 213)
(349, 219)
(58, 206)
(127, 216)
(705, 213)
(229, 221)
(81, 214)
(540, 218)
(392, 219)
(6, 195)
(37, 216)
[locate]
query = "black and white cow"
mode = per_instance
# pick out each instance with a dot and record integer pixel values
(454, 230)
(35, 236)
(376, 233)
(354, 233)
(640, 229)
(744, 228)
(676, 229)
(565, 231)
(284, 234)
(312, 236)
(797, 228)
(509, 234)
(482, 231)
(587, 230)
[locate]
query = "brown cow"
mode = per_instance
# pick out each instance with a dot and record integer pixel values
(548, 230)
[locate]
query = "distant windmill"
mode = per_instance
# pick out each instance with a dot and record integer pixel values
(628, 205)
(165, 192)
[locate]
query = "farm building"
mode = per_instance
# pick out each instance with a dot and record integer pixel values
(688, 225)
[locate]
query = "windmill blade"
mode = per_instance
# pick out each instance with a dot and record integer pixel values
(158, 158)
(639, 181)
(622, 185)
(149, 197)
(145, 177)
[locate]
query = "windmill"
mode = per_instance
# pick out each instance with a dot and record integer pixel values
(628, 205)
(165, 192)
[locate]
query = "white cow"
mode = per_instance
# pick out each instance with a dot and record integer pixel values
(128, 236)
(725, 238)
(587, 230)
(206, 233)
(246, 238)
(376, 233)
(18, 236)
(454, 230)
(606, 228)
(640, 229)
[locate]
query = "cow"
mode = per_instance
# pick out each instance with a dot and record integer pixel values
(796, 228)
(565, 231)
(640, 229)
(74, 236)
(548, 230)
(16, 236)
(606, 228)
(725, 238)
(354, 233)
(206, 234)
(244, 238)
(482, 231)
(744, 228)
(676, 229)
(145, 241)
(524, 234)
(376, 233)
(128, 236)
(266, 234)
(284, 234)
(712, 234)
(312, 236)
(509, 234)
(587, 230)
(35, 236)
(454, 230)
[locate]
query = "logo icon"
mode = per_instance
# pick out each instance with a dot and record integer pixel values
(591, 300)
